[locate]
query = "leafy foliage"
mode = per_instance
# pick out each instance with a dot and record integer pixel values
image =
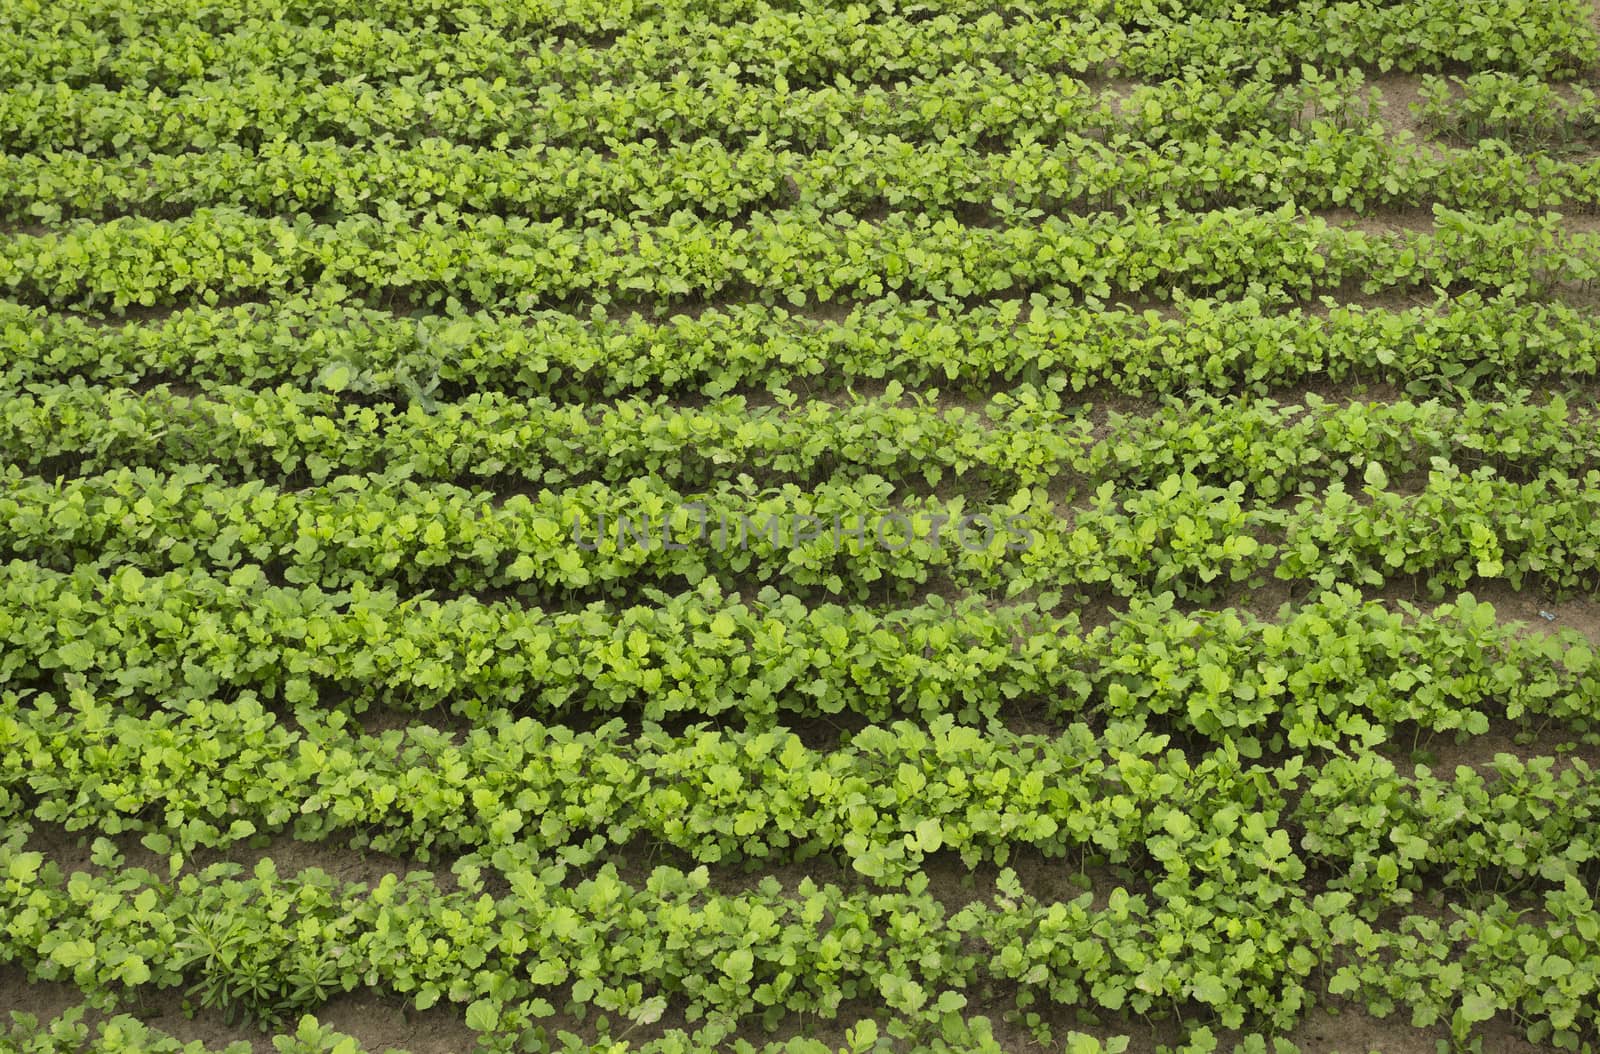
(547, 370)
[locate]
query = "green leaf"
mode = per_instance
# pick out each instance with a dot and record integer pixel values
(1210, 990)
(76, 655)
(863, 1037)
(135, 971)
(483, 1016)
(740, 964)
(24, 866)
(335, 377)
(649, 1011)
(73, 953)
(1479, 1005)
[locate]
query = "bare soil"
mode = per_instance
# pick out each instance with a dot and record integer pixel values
(1400, 91)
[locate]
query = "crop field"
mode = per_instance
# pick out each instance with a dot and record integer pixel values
(669, 526)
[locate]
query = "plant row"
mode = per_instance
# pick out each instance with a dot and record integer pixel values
(1537, 968)
(970, 105)
(269, 946)
(796, 256)
(109, 22)
(809, 48)
(1322, 166)
(1389, 836)
(1334, 669)
(839, 538)
(813, 47)
(69, 1033)
(1466, 342)
(216, 774)
(1524, 111)
(1022, 438)
(211, 775)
